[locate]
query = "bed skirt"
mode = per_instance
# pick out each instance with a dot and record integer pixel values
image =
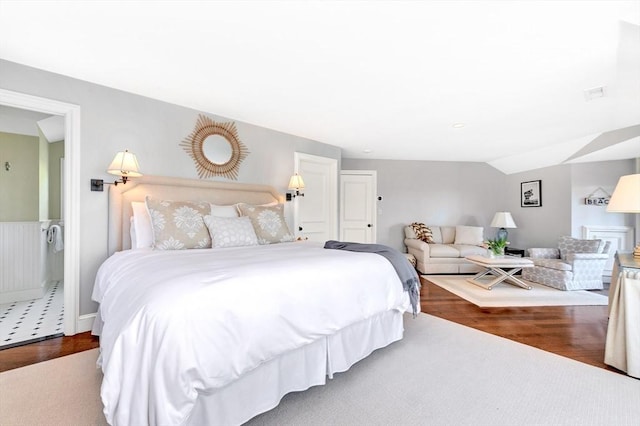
(262, 389)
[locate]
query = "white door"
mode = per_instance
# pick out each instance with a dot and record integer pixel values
(316, 213)
(358, 206)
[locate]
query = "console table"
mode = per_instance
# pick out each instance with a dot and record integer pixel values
(622, 348)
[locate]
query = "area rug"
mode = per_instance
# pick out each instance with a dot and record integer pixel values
(440, 373)
(504, 294)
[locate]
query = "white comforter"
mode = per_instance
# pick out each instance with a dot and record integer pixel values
(177, 323)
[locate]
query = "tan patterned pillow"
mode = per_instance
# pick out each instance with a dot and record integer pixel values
(268, 222)
(422, 232)
(178, 225)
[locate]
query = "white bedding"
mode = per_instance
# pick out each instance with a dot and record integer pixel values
(180, 323)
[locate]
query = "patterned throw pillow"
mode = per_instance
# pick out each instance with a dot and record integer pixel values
(422, 232)
(568, 245)
(231, 231)
(178, 225)
(268, 222)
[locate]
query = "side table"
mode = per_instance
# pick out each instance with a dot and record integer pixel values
(515, 252)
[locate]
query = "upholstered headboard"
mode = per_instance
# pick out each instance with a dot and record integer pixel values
(178, 189)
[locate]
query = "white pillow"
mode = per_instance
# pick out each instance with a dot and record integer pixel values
(224, 211)
(141, 226)
(231, 231)
(132, 233)
(469, 235)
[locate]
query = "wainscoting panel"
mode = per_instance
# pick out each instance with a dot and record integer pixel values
(22, 249)
(621, 238)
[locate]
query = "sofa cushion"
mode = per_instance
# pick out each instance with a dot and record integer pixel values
(556, 264)
(448, 234)
(575, 245)
(443, 250)
(471, 235)
(422, 232)
(467, 250)
(409, 233)
(436, 234)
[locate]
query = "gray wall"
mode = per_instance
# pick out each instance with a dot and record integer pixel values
(19, 194)
(112, 120)
(56, 152)
(433, 192)
(588, 177)
(457, 193)
(541, 226)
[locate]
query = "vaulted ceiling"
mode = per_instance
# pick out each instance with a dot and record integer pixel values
(519, 85)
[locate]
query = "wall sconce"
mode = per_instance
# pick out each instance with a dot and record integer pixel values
(125, 165)
(295, 184)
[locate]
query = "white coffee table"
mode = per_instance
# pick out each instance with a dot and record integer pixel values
(503, 268)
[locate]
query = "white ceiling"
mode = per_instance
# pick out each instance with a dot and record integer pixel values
(24, 122)
(20, 121)
(387, 77)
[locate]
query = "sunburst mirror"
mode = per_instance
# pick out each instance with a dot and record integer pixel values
(215, 148)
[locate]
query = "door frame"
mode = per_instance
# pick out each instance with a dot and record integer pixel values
(71, 188)
(333, 200)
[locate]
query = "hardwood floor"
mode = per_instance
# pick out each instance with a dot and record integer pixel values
(576, 332)
(46, 349)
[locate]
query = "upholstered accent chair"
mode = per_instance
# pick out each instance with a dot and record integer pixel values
(575, 265)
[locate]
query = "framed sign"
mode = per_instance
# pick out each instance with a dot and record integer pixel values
(531, 193)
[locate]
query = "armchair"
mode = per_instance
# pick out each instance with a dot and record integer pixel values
(574, 265)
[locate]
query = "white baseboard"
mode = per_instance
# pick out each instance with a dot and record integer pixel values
(85, 323)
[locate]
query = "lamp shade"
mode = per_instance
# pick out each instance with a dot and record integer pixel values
(626, 196)
(296, 182)
(503, 220)
(125, 163)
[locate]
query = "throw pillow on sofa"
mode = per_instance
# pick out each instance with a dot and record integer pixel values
(568, 245)
(469, 235)
(422, 232)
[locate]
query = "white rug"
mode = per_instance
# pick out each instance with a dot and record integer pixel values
(505, 294)
(441, 373)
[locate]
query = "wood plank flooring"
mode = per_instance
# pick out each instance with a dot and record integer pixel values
(44, 350)
(576, 332)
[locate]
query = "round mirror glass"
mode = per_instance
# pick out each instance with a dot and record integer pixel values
(217, 149)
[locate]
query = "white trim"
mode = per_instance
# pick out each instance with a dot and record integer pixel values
(71, 190)
(85, 322)
(621, 238)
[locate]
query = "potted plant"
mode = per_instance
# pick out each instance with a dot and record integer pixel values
(496, 246)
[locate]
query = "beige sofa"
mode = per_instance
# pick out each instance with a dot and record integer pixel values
(445, 255)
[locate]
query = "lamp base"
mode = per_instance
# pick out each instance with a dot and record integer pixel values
(502, 234)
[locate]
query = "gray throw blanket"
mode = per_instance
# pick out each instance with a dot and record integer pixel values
(404, 269)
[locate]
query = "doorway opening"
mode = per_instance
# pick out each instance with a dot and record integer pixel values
(70, 187)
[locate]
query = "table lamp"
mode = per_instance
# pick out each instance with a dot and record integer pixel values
(626, 199)
(502, 220)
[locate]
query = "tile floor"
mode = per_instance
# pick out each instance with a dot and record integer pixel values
(32, 320)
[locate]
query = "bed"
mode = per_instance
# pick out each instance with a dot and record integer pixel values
(220, 335)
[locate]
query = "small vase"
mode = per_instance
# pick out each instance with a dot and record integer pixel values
(496, 253)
